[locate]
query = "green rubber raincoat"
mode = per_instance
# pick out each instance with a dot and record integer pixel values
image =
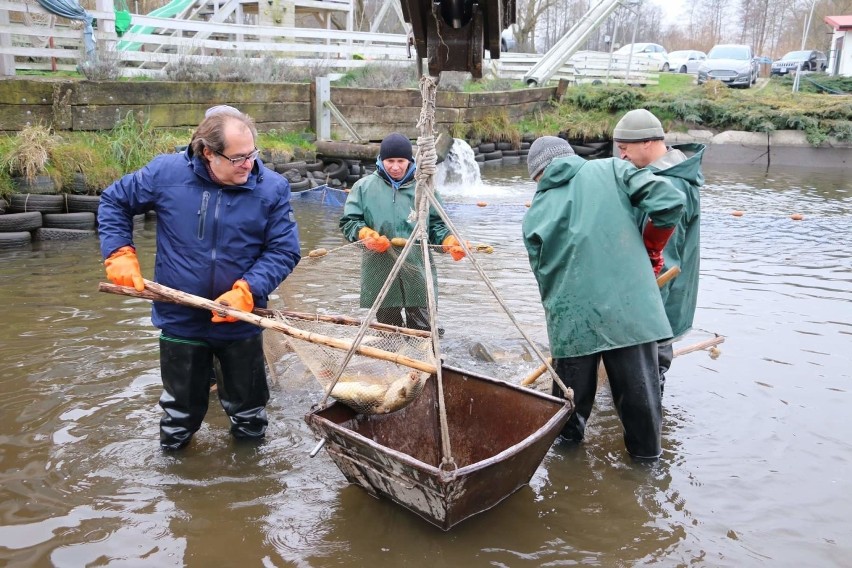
(682, 167)
(596, 283)
(375, 203)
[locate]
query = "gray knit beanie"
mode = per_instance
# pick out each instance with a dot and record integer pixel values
(221, 109)
(638, 126)
(543, 151)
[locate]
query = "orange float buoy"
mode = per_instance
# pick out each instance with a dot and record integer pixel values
(797, 216)
(481, 204)
(737, 213)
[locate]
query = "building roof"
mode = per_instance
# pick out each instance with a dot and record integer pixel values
(839, 23)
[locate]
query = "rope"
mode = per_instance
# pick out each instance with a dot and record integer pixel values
(427, 167)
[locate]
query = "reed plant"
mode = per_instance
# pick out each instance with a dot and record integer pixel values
(30, 152)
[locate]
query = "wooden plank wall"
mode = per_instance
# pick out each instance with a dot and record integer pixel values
(375, 112)
(86, 105)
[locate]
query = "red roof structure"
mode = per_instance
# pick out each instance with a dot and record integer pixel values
(839, 23)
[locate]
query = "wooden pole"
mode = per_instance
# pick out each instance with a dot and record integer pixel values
(203, 303)
(267, 313)
(699, 346)
(662, 280)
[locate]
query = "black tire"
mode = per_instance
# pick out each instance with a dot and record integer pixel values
(78, 184)
(17, 222)
(495, 155)
(80, 221)
(25, 202)
(83, 203)
(300, 185)
(504, 145)
(315, 167)
(351, 179)
(479, 158)
(15, 240)
(39, 184)
(298, 165)
(336, 169)
(665, 67)
(487, 147)
(293, 176)
(682, 69)
(63, 234)
(3, 206)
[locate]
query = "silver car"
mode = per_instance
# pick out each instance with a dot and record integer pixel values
(733, 64)
(686, 60)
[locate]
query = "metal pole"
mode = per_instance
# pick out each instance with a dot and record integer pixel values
(632, 47)
(808, 24)
(804, 41)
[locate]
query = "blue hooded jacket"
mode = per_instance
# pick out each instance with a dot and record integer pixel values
(208, 236)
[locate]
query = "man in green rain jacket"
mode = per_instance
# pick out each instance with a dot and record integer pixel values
(598, 290)
(381, 207)
(640, 139)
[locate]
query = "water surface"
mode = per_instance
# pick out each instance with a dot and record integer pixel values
(756, 442)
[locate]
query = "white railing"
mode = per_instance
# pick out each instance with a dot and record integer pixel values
(201, 42)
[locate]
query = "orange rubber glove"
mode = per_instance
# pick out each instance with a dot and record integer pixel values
(373, 240)
(122, 268)
(238, 297)
(452, 246)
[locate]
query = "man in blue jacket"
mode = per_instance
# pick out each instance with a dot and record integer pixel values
(225, 230)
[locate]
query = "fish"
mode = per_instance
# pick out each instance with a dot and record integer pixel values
(379, 398)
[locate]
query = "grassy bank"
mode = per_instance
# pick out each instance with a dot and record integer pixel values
(585, 112)
(103, 157)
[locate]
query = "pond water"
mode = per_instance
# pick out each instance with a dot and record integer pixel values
(756, 442)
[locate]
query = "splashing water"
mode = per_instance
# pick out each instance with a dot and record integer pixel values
(459, 169)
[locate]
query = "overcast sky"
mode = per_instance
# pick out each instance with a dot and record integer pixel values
(671, 9)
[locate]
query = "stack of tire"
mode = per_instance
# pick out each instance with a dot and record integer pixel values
(333, 172)
(501, 152)
(29, 217)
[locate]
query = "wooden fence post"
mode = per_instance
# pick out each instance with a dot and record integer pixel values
(322, 115)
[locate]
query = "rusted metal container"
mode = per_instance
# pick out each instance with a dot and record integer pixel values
(499, 434)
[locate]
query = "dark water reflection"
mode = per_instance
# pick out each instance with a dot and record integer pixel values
(756, 442)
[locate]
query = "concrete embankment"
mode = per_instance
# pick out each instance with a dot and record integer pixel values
(766, 149)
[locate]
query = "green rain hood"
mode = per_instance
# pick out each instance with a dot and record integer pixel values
(680, 296)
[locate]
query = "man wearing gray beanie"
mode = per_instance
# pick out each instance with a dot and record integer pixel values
(640, 140)
(600, 297)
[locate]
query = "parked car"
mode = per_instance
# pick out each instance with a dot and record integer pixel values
(809, 59)
(686, 60)
(507, 40)
(650, 51)
(733, 64)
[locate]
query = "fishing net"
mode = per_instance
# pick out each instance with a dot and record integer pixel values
(381, 358)
(396, 341)
(336, 282)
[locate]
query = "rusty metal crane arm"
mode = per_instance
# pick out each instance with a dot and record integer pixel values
(452, 35)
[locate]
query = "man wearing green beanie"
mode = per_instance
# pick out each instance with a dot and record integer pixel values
(599, 294)
(640, 140)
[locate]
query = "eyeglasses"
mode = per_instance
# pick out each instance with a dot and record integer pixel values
(240, 160)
